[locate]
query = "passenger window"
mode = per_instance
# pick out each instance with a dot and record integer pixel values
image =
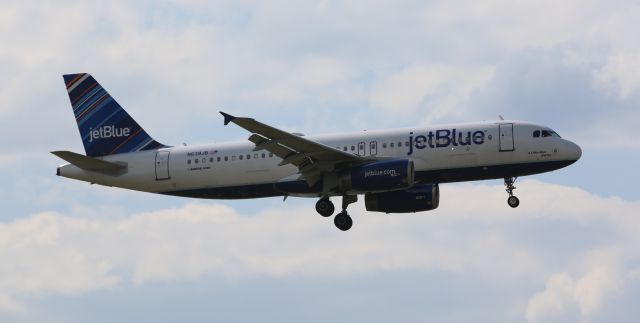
(248, 156)
(195, 161)
(204, 160)
(353, 148)
(536, 134)
(226, 158)
(240, 157)
(345, 148)
(211, 159)
(255, 156)
(384, 145)
(391, 145)
(218, 159)
(188, 161)
(270, 155)
(399, 144)
(406, 144)
(264, 155)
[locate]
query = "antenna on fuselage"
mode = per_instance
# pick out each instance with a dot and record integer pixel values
(500, 116)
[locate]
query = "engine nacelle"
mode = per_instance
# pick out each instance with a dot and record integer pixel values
(379, 176)
(416, 199)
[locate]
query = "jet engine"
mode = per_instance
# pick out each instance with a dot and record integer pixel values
(379, 176)
(419, 198)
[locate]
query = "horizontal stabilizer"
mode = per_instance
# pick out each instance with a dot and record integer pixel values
(88, 163)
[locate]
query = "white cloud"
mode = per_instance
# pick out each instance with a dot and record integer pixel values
(436, 90)
(621, 74)
(39, 256)
(8, 304)
(565, 299)
(184, 59)
(177, 61)
(51, 253)
(596, 286)
(555, 300)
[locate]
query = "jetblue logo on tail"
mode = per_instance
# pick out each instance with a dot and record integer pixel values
(108, 132)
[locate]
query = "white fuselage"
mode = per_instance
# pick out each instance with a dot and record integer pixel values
(442, 153)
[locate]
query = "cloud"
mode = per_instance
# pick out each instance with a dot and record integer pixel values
(439, 61)
(52, 253)
(433, 90)
(570, 64)
(620, 74)
(8, 304)
(37, 261)
(554, 300)
(565, 299)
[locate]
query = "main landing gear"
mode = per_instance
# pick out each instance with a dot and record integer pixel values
(513, 201)
(342, 220)
(325, 207)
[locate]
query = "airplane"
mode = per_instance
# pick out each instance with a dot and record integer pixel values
(397, 170)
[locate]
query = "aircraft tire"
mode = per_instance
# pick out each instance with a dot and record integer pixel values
(325, 207)
(343, 221)
(513, 201)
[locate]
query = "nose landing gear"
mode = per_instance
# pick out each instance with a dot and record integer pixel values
(513, 201)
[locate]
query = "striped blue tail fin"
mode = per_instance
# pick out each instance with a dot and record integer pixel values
(105, 127)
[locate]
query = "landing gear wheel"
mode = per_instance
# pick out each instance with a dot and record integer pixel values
(325, 207)
(513, 201)
(343, 221)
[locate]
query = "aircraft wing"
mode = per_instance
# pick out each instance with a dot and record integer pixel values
(311, 158)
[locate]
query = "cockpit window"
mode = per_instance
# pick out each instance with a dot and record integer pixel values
(536, 134)
(549, 133)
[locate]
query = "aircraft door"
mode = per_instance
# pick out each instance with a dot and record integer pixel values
(506, 137)
(373, 148)
(361, 149)
(162, 165)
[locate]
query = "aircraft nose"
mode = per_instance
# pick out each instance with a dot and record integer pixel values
(574, 151)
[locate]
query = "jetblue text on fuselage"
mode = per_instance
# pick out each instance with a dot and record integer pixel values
(108, 132)
(379, 172)
(445, 138)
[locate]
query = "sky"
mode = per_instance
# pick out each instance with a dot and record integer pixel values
(74, 252)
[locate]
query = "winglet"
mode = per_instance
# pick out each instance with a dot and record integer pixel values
(227, 118)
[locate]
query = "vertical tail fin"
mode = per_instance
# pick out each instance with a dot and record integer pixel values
(105, 127)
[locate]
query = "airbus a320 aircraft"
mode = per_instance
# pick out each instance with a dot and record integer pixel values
(397, 171)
